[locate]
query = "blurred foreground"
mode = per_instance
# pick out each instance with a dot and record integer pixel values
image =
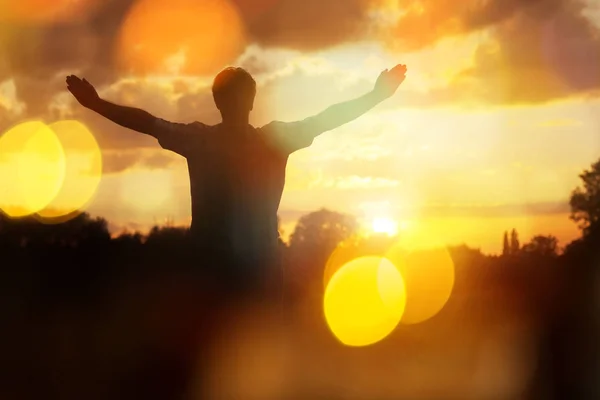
(88, 316)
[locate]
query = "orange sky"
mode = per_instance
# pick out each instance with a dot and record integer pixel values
(489, 132)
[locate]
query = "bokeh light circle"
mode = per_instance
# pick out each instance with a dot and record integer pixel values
(32, 168)
(428, 272)
(352, 248)
(180, 37)
(83, 172)
(364, 301)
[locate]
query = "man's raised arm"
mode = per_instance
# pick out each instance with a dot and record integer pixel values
(339, 114)
(292, 136)
(128, 117)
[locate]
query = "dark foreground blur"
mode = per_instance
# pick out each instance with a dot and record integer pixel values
(87, 316)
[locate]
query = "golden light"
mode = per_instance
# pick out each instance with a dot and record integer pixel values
(427, 270)
(353, 248)
(180, 37)
(83, 162)
(32, 168)
(45, 11)
(385, 225)
(146, 191)
(343, 253)
(364, 301)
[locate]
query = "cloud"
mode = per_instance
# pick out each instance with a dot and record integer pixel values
(122, 160)
(310, 24)
(536, 52)
(360, 182)
(495, 211)
(38, 57)
(464, 210)
(422, 23)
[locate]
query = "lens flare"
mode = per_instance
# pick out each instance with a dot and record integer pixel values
(32, 168)
(180, 37)
(353, 248)
(428, 272)
(385, 225)
(83, 163)
(364, 301)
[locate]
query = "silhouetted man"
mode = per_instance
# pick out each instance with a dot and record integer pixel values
(237, 175)
(237, 171)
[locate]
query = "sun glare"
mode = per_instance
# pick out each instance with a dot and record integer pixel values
(385, 225)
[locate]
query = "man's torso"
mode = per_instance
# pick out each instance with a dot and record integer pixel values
(236, 182)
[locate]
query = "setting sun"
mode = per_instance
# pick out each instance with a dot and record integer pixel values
(385, 225)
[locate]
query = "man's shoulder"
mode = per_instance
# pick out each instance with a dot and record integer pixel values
(275, 124)
(163, 124)
(197, 128)
(201, 126)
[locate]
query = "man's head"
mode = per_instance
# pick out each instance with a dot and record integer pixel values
(234, 90)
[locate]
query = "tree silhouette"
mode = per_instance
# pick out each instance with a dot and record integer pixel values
(29, 231)
(505, 246)
(514, 242)
(325, 228)
(545, 246)
(314, 239)
(167, 236)
(585, 201)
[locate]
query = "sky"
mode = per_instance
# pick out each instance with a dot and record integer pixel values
(498, 116)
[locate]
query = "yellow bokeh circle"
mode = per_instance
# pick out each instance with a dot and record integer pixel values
(364, 301)
(32, 168)
(83, 172)
(427, 270)
(51, 171)
(352, 248)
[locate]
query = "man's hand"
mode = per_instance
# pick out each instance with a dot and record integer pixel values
(389, 80)
(83, 91)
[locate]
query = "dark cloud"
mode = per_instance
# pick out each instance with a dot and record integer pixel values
(79, 44)
(310, 24)
(425, 22)
(539, 50)
(38, 57)
(533, 59)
